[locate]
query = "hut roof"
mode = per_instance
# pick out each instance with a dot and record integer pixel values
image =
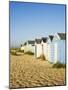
(25, 43)
(22, 45)
(31, 42)
(38, 41)
(44, 39)
(51, 37)
(62, 36)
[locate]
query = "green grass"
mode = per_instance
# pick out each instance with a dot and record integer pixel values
(14, 52)
(29, 53)
(14, 48)
(59, 65)
(22, 51)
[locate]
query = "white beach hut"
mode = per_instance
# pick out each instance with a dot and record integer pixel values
(22, 47)
(38, 48)
(50, 49)
(29, 46)
(44, 47)
(59, 45)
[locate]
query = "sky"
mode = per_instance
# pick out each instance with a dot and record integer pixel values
(34, 20)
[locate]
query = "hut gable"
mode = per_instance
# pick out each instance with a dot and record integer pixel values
(59, 36)
(44, 39)
(38, 41)
(62, 36)
(51, 37)
(31, 42)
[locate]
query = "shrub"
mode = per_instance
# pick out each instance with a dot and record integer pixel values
(42, 57)
(29, 53)
(22, 51)
(59, 65)
(13, 53)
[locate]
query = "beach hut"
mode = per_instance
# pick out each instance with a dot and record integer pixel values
(22, 47)
(59, 47)
(29, 46)
(38, 48)
(44, 47)
(50, 49)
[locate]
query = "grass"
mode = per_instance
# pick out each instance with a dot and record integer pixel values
(29, 53)
(22, 51)
(14, 52)
(59, 65)
(42, 57)
(14, 48)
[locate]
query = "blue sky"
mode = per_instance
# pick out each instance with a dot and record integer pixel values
(34, 20)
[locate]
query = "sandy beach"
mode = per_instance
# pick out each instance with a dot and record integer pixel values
(27, 71)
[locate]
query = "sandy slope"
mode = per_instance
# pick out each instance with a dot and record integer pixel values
(26, 71)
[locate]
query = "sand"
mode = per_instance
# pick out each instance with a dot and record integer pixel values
(27, 71)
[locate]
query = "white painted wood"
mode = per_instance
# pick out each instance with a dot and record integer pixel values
(38, 50)
(45, 50)
(56, 52)
(30, 48)
(59, 46)
(48, 50)
(22, 48)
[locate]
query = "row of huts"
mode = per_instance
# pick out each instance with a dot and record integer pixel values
(52, 47)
